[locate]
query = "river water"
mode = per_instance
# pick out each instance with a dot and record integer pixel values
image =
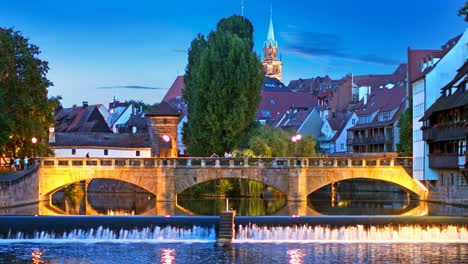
(272, 243)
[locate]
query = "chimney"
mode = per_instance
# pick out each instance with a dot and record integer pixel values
(85, 104)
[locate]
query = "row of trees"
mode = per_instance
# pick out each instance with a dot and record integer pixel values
(25, 109)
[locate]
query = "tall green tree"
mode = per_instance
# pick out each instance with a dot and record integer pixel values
(239, 26)
(25, 109)
(223, 81)
(405, 124)
(464, 11)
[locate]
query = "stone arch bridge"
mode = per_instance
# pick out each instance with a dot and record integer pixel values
(166, 178)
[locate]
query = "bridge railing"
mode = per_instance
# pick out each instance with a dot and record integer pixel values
(286, 162)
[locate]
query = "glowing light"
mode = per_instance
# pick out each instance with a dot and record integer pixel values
(166, 138)
(167, 256)
(34, 140)
(168, 215)
(296, 138)
(295, 256)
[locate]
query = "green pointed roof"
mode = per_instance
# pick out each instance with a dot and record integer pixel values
(270, 41)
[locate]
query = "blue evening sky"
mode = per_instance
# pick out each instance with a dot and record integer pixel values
(91, 44)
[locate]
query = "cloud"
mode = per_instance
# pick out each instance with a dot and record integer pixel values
(312, 44)
(131, 87)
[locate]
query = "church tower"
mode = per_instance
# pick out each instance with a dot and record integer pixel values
(271, 64)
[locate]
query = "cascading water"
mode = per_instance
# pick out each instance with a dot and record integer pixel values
(156, 234)
(351, 234)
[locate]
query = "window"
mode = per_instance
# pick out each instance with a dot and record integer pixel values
(342, 146)
(73, 151)
(384, 116)
(272, 101)
(266, 113)
(106, 152)
(353, 121)
(137, 153)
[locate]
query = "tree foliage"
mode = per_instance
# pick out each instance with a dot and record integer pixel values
(223, 81)
(464, 11)
(25, 110)
(276, 142)
(405, 124)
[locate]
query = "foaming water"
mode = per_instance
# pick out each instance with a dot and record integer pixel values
(151, 235)
(352, 234)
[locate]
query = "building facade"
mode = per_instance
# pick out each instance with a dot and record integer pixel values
(435, 74)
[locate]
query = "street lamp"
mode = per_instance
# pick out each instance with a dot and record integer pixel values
(33, 141)
(294, 139)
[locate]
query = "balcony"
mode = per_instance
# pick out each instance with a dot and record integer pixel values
(370, 140)
(446, 161)
(444, 133)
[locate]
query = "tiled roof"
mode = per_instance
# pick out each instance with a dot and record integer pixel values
(163, 109)
(313, 85)
(274, 105)
(294, 119)
(273, 84)
(381, 100)
(338, 122)
(398, 77)
(81, 119)
(175, 90)
(138, 121)
(110, 140)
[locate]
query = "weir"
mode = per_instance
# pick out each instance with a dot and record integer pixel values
(248, 229)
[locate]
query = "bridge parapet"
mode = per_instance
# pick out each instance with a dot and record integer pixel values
(202, 162)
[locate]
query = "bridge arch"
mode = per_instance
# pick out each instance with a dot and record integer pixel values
(54, 178)
(188, 178)
(393, 175)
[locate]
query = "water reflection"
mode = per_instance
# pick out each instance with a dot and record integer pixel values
(295, 256)
(167, 256)
(145, 204)
(104, 204)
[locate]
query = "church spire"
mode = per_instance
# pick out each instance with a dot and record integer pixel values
(271, 64)
(270, 41)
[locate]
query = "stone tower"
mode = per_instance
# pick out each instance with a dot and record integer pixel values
(271, 64)
(162, 128)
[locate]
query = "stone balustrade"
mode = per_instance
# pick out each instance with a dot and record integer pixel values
(197, 162)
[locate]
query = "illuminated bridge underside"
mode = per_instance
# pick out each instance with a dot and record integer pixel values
(167, 179)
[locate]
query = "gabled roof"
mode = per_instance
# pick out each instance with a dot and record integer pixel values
(381, 99)
(294, 119)
(163, 109)
(109, 140)
(338, 123)
(445, 49)
(81, 119)
(175, 90)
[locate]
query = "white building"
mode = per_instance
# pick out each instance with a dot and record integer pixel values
(100, 145)
(435, 74)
